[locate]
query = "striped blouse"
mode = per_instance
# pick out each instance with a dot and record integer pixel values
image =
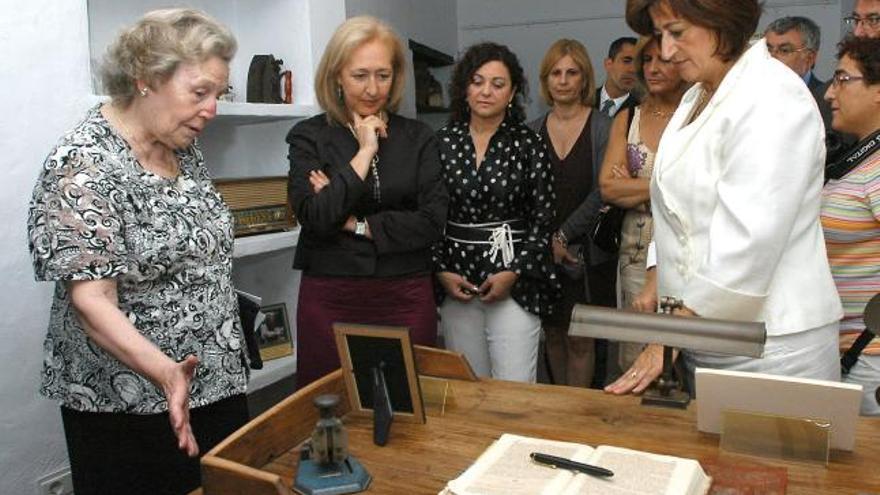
(851, 222)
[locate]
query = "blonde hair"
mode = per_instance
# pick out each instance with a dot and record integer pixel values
(348, 37)
(581, 58)
(153, 48)
(641, 48)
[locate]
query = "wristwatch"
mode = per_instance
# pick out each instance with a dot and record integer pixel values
(360, 226)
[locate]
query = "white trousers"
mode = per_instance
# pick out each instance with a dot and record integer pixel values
(498, 339)
(866, 372)
(809, 354)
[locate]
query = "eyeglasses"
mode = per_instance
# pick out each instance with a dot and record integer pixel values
(841, 77)
(872, 21)
(784, 50)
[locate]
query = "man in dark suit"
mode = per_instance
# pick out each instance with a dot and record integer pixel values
(620, 69)
(794, 41)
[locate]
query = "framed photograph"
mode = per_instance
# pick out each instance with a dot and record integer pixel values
(273, 334)
(365, 347)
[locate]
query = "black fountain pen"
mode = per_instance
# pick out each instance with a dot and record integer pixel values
(563, 463)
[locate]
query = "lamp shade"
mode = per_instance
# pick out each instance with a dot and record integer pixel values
(736, 338)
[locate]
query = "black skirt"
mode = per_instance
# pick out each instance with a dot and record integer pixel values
(138, 454)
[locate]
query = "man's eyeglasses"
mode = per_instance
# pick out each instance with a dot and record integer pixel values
(839, 78)
(872, 21)
(784, 50)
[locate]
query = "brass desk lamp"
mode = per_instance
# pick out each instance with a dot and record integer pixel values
(734, 338)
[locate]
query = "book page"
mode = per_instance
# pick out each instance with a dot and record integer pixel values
(641, 473)
(506, 468)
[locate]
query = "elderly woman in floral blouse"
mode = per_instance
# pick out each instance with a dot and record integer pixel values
(144, 326)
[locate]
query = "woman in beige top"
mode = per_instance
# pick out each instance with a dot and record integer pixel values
(626, 174)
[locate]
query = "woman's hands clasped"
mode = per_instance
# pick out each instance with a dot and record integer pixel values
(495, 288)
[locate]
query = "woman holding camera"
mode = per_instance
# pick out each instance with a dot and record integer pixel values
(851, 205)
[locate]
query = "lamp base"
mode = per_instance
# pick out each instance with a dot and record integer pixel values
(314, 479)
(676, 399)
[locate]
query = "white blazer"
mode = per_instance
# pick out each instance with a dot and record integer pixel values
(735, 197)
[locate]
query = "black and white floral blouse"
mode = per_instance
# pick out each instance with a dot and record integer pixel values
(513, 182)
(95, 214)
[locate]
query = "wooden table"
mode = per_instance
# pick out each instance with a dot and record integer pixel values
(420, 459)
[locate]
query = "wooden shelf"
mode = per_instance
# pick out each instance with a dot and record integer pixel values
(239, 113)
(265, 243)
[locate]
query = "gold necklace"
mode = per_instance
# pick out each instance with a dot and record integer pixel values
(660, 114)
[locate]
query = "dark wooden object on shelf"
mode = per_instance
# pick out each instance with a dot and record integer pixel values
(259, 204)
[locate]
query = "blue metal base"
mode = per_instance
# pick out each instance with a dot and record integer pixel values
(314, 479)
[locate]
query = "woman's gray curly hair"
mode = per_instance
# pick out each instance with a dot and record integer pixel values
(152, 49)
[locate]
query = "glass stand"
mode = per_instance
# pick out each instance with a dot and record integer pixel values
(768, 435)
(437, 394)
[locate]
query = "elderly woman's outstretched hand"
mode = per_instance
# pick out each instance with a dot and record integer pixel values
(176, 388)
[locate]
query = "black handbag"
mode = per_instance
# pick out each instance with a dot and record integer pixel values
(609, 221)
(606, 229)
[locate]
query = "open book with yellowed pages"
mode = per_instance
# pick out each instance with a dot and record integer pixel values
(506, 468)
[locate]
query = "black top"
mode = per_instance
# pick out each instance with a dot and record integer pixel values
(573, 176)
(409, 218)
(514, 182)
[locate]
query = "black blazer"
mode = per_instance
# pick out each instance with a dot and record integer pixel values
(409, 219)
(631, 102)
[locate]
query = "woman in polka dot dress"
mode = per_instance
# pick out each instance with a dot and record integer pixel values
(494, 265)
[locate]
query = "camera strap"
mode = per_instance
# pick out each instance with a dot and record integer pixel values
(854, 157)
(848, 359)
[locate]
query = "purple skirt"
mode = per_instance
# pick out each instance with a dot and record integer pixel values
(323, 301)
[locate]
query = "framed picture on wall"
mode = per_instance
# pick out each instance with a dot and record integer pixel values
(273, 334)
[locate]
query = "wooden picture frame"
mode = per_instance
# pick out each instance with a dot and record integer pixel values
(363, 347)
(273, 334)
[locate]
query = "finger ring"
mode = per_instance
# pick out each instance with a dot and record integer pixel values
(633, 374)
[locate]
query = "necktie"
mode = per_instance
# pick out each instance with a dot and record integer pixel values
(608, 108)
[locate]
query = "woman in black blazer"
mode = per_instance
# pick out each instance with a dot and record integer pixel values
(365, 186)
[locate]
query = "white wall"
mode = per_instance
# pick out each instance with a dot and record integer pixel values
(46, 88)
(44, 48)
(433, 23)
(529, 28)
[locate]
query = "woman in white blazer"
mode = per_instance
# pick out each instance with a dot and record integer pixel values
(736, 192)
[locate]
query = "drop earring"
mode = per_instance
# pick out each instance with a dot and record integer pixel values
(339, 92)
